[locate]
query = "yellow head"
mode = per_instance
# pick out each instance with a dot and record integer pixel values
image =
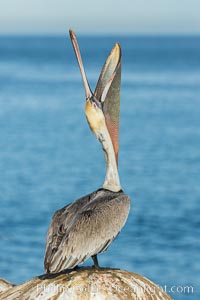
(94, 115)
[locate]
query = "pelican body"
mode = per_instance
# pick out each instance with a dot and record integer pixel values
(87, 226)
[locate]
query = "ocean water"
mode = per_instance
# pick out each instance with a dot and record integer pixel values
(48, 156)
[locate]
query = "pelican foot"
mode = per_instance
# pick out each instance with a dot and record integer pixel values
(96, 264)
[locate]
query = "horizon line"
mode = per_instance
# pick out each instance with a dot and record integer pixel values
(101, 34)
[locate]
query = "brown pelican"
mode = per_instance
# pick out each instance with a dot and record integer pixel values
(87, 226)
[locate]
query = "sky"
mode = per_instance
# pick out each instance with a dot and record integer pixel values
(98, 17)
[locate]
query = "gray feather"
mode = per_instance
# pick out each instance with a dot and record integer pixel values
(85, 228)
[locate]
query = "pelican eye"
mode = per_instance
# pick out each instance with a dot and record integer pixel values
(96, 104)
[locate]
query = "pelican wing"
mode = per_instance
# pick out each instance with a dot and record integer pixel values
(91, 232)
(108, 93)
(60, 224)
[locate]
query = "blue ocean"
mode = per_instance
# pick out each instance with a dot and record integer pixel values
(49, 157)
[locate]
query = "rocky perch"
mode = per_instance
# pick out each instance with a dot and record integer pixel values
(85, 284)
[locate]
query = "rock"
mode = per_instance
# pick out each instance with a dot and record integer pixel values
(87, 284)
(5, 285)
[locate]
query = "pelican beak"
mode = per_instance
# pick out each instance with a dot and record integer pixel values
(88, 92)
(107, 92)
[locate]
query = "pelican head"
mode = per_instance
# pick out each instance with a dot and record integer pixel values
(95, 115)
(102, 109)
